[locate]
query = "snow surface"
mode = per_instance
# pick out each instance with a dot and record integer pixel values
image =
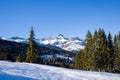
(28, 71)
(57, 55)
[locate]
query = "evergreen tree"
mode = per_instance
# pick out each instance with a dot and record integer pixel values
(111, 52)
(103, 56)
(88, 52)
(99, 53)
(79, 62)
(85, 58)
(96, 46)
(19, 58)
(117, 53)
(32, 55)
(5, 56)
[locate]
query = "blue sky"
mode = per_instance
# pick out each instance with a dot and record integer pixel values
(53, 17)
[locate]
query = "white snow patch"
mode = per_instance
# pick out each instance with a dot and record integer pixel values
(57, 55)
(46, 56)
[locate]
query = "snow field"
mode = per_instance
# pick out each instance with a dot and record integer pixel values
(28, 71)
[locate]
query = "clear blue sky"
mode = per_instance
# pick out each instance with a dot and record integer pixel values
(53, 17)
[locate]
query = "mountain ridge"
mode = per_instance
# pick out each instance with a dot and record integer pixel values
(73, 44)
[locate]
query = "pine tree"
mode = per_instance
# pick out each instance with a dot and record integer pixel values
(32, 55)
(96, 49)
(99, 53)
(19, 58)
(79, 62)
(88, 52)
(117, 53)
(5, 56)
(85, 58)
(102, 52)
(111, 52)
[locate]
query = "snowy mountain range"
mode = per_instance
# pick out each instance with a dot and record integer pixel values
(70, 44)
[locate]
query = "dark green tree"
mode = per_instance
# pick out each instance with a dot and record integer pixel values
(111, 52)
(88, 52)
(103, 55)
(96, 49)
(5, 56)
(32, 55)
(85, 58)
(100, 53)
(79, 62)
(117, 53)
(19, 58)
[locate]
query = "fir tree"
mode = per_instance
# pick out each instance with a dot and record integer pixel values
(103, 56)
(79, 62)
(19, 58)
(88, 52)
(111, 52)
(32, 55)
(117, 53)
(99, 53)
(85, 58)
(96, 46)
(5, 56)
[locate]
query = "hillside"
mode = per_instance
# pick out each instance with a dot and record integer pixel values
(12, 49)
(27, 71)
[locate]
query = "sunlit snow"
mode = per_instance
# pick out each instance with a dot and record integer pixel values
(27, 71)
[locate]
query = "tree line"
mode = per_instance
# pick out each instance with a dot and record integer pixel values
(101, 53)
(31, 52)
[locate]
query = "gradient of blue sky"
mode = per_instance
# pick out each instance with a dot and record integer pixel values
(53, 17)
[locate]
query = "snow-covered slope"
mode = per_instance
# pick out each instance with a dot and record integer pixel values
(27, 71)
(49, 56)
(69, 44)
(16, 39)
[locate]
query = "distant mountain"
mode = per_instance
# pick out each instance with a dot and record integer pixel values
(12, 49)
(69, 44)
(73, 44)
(16, 39)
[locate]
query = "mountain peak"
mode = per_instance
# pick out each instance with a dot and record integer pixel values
(16, 38)
(69, 44)
(60, 35)
(75, 38)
